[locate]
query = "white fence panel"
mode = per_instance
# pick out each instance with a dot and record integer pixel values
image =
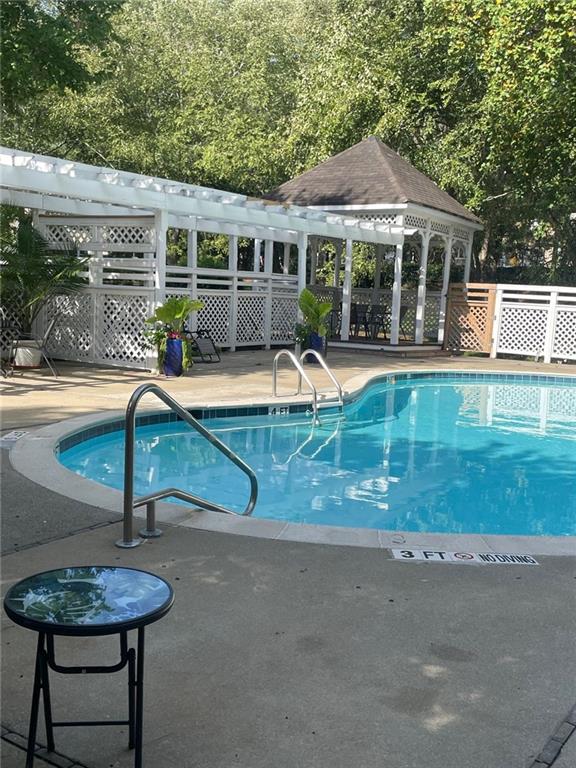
(538, 321)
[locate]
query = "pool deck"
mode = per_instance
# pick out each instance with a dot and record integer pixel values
(290, 654)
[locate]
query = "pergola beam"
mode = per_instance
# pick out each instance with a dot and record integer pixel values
(51, 176)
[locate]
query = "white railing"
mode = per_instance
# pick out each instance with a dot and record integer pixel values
(536, 321)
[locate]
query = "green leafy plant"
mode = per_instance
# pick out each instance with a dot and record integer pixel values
(32, 273)
(169, 321)
(314, 312)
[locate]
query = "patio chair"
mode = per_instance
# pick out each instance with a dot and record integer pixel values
(359, 319)
(204, 346)
(379, 320)
(40, 343)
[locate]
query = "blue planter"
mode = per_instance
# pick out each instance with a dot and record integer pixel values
(173, 359)
(318, 344)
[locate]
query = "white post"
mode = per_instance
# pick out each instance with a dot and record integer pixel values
(468, 259)
(445, 286)
(396, 296)
(496, 322)
(313, 259)
(160, 232)
(233, 314)
(302, 253)
(421, 298)
(233, 253)
(347, 293)
(268, 256)
(337, 259)
(268, 265)
(377, 274)
(550, 327)
(286, 259)
(192, 260)
(257, 250)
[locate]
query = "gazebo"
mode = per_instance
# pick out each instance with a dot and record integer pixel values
(371, 182)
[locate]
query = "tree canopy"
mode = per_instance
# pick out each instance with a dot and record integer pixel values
(243, 94)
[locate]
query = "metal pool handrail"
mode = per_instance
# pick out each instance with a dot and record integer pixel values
(301, 375)
(322, 363)
(130, 503)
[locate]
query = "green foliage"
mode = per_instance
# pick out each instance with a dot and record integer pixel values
(173, 314)
(32, 273)
(314, 312)
(168, 321)
(243, 94)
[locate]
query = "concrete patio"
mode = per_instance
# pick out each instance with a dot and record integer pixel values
(290, 654)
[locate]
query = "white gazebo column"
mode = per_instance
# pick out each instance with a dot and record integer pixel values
(286, 259)
(268, 269)
(233, 267)
(302, 253)
(160, 232)
(337, 260)
(192, 261)
(468, 258)
(257, 252)
(268, 256)
(347, 293)
(396, 296)
(313, 259)
(377, 273)
(421, 298)
(445, 286)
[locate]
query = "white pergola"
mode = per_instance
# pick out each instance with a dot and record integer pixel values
(82, 203)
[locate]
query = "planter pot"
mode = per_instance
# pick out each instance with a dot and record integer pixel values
(318, 344)
(173, 359)
(27, 355)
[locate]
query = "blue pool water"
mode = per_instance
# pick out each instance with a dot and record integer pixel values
(430, 454)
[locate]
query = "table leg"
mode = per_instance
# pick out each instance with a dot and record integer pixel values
(139, 698)
(35, 702)
(47, 703)
(131, 697)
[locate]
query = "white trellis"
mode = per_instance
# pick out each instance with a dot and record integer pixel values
(120, 221)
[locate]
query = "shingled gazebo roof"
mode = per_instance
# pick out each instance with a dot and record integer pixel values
(369, 173)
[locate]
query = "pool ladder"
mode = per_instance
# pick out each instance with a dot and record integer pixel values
(302, 376)
(130, 503)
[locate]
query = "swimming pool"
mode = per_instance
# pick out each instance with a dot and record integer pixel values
(445, 453)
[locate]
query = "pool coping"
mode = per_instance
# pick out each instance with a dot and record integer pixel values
(34, 456)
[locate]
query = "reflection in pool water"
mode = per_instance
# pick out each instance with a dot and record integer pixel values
(431, 455)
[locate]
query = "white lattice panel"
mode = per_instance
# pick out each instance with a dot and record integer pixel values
(565, 334)
(215, 317)
(439, 226)
(414, 221)
(461, 234)
(251, 317)
(73, 336)
(66, 234)
(521, 399)
(120, 327)
(380, 218)
(127, 234)
(522, 330)
(284, 316)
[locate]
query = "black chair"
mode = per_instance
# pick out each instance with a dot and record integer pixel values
(204, 346)
(379, 320)
(359, 319)
(334, 323)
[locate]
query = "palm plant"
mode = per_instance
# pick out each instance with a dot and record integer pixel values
(31, 273)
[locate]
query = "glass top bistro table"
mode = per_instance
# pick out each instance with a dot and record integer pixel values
(89, 601)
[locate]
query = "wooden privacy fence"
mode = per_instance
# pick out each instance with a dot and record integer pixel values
(527, 320)
(470, 317)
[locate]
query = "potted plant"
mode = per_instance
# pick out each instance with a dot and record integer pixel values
(168, 334)
(312, 332)
(31, 274)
